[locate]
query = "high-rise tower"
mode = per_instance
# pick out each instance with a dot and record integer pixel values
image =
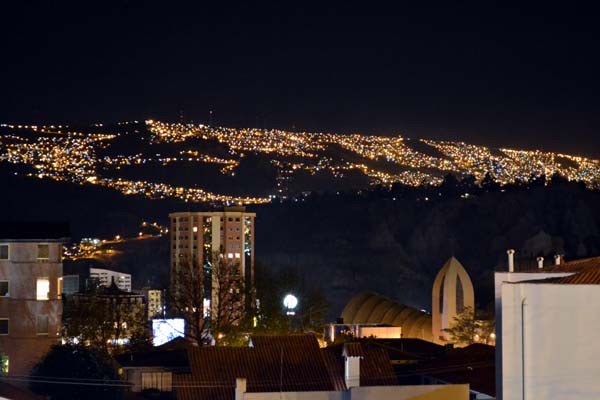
(197, 236)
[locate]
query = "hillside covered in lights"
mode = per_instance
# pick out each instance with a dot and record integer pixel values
(205, 164)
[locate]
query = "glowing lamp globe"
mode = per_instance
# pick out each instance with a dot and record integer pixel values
(290, 301)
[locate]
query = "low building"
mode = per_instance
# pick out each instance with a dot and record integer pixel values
(296, 367)
(105, 277)
(452, 293)
(30, 304)
(105, 316)
(358, 331)
(546, 320)
(369, 308)
(153, 370)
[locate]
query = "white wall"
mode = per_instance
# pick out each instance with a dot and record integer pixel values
(559, 356)
(424, 392)
(499, 278)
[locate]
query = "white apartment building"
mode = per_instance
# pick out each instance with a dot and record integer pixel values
(546, 321)
(105, 278)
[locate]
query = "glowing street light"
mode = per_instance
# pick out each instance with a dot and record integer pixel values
(290, 302)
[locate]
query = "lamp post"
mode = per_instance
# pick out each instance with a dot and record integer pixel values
(290, 302)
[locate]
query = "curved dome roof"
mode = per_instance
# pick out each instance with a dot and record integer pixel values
(373, 308)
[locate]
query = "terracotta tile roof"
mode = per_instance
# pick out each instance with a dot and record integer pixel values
(171, 359)
(353, 350)
(570, 266)
(585, 272)
(375, 366)
(274, 364)
(474, 364)
(292, 363)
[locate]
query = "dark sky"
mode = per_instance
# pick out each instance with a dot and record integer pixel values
(479, 72)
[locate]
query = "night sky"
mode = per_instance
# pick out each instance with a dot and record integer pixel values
(483, 73)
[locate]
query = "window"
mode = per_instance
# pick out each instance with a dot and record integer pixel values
(59, 289)
(43, 252)
(42, 325)
(3, 326)
(3, 364)
(4, 289)
(3, 252)
(43, 289)
(161, 381)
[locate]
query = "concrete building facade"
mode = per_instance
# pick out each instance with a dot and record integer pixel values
(546, 319)
(154, 300)
(105, 278)
(197, 236)
(30, 292)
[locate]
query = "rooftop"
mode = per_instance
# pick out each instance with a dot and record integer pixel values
(292, 363)
(584, 272)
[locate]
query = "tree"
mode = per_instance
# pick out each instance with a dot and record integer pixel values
(211, 299)
(106, 318)
(186, 300)
(271, 317)
(466, 329)
(230, 309)
(488, 183)
(76, 372)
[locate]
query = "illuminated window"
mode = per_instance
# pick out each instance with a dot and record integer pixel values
(43, 289)
(59, 289)
(3, 252)
(4, 289)
(230, 255)
(3, 326)
(42, 325)
(43, 252)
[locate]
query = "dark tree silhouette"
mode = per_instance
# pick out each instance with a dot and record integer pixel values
(76, 372)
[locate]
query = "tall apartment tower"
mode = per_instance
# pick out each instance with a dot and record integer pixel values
(196, 236)
(30, 292)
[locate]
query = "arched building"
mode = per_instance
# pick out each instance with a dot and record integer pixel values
(452, 292)
(372, 308)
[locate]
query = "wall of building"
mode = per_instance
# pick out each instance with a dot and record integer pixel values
(227, 233)
(23, 344)
(421, 392)
(558, 356)
(106, 276)
(499, 279)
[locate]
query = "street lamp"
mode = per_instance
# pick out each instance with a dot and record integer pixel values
(290, 302)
